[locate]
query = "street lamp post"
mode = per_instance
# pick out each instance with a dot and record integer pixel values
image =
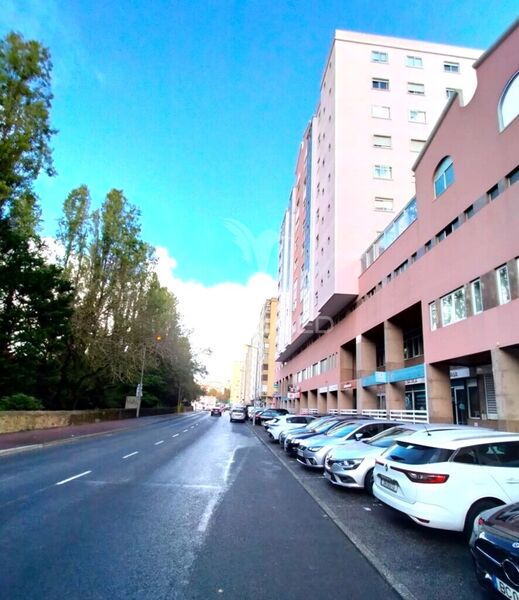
(139, 387)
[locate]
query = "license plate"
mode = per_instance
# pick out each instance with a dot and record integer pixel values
(300, 453)
(505, 589)
(390, 484)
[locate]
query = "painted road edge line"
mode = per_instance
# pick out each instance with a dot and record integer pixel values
(74, 477)
(184, 431)
(176, 435)
(132, 454)
(157, 443)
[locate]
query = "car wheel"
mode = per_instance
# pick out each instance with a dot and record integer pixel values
(368, 482)
(474, 510)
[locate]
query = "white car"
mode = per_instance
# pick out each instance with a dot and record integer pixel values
(238, 413)
(352, 465)
(286, 423)
(444, 479)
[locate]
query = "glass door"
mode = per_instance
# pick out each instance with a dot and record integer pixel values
(459, 405)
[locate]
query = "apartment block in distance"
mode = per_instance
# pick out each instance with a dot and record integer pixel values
(415, 293)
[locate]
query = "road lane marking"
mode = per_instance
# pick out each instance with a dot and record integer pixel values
(157, 443)
(192, 427)
(132, 454)
(176, 435)
(204, 521)
(184, 431)
(74, 477)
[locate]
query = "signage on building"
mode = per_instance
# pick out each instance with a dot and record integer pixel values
(293, 395)
(459, 373)
(415, 381)
(347, 385)
(323, 390)
(333, 388)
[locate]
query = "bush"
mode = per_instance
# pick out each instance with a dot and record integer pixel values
(20, 402)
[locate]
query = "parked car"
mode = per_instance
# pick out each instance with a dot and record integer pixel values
(251, 410)
(312, 452)
(269, 413)
(351, 465)
(238, 413)
(444, 479)
(319, 427)
(286, 423)
(216, 411)
(301, 429)
(494, 545)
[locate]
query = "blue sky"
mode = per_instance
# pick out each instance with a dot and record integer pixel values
(196, 109)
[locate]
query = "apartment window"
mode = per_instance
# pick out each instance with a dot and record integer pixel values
(493, 192)
(417, 116)
(418, 89)
(509, 104)
(383, 204)
(416, 145)
(453, 307)
(379, 57)
(382, 141)
(443, 176)
(413, 344)
(382, 172)
(451, 67)
(477, 297)
(433, 316)
(513, 176)
(380, 112)
(414, 61)
(503, 285)
(380, 84)
(450, 92)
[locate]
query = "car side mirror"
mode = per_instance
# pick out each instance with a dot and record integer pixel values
(359, 436)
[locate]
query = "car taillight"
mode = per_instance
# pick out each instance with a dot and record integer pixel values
(481, 521)
(417, 477)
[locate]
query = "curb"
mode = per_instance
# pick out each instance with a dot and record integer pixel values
(399, 588)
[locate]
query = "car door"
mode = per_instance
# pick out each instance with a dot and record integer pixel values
(501, 462)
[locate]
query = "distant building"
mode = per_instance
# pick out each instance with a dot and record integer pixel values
(236, 383)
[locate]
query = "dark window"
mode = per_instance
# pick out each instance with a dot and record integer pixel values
(493, 192)
(414, 454)
(469, 212)
(513, 176)
(501, 454)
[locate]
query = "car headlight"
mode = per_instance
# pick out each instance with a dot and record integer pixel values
(351, 463)
(314, 448)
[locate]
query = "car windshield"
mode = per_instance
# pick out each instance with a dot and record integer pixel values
(342, 430)
(325, 426)
(387, 438)
(414, 454)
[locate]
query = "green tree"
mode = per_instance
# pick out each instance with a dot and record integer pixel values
(25, 131)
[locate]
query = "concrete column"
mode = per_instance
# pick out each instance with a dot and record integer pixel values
(303, 403)
(439, 400)
(321, 403)
(366, 359)
(345, 399)
(505, 368)
(394, 356)
(331, 401)
(346, 364)
(312, 399)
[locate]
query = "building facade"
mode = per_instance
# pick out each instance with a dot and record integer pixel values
(424, 322)
(236, 395)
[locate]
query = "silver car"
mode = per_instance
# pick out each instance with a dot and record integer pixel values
(312, 452)
(351, 465)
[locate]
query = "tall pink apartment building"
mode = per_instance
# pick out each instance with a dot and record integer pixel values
(398, 272)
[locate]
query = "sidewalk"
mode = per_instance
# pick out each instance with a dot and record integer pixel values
(19, 439)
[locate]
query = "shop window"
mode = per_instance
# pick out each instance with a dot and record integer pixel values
(473, 396)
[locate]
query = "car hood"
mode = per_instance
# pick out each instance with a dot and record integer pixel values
(303, 435)
(354, 450)
(506, 519)
(320, 440)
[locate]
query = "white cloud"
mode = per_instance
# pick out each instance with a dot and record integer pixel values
(222, 317)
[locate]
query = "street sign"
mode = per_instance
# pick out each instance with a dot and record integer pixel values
(132, 402)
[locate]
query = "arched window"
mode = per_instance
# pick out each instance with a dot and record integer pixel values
(509, 104)
(443, 176)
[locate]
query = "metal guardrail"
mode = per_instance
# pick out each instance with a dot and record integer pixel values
(406, 416)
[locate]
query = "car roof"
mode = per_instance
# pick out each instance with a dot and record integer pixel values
(453, 439)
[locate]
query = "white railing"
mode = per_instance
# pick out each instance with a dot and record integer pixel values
(375, 413)
(348, 412)
(410, 416)
(333, 411)
(313, 411)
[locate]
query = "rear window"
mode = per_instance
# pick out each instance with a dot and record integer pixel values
(340, 431)
(414, 454)
(387, 438)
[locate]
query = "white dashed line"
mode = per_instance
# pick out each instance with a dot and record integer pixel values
(132, 454)
(176, 435)
(192, 427)
(184, 431)
(157, 443)
(74, 477)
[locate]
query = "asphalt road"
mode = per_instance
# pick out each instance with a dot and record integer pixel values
(193, 507)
